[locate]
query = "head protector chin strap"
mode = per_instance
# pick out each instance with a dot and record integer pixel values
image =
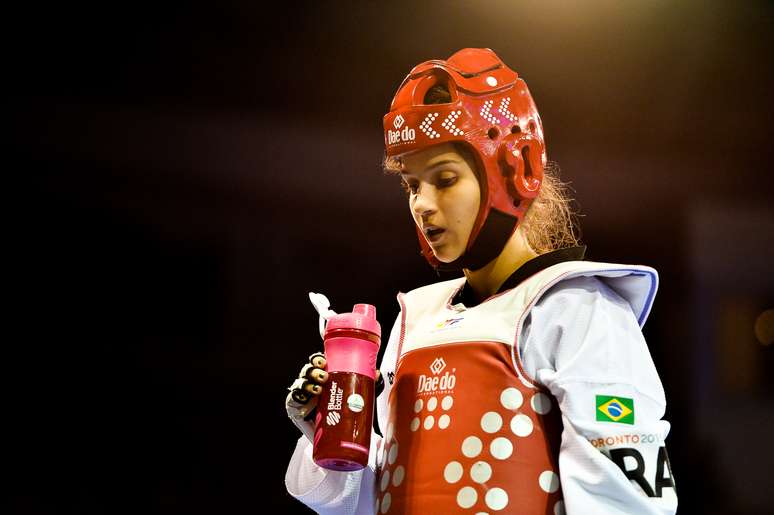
(492, 112)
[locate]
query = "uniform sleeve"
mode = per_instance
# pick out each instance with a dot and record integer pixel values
(582, 341)
(332, 492)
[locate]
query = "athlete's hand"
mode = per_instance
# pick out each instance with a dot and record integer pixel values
(306, 389)
(301, 402)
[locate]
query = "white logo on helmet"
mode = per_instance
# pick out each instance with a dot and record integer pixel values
(503, 110)
(398, 122)
(486, 112)
(403, 136)
(426, 126)
(448, 123)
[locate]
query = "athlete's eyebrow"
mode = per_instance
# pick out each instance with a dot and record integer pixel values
(443, 162)
(433, 166)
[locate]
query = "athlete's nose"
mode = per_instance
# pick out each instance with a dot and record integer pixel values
(424, 202)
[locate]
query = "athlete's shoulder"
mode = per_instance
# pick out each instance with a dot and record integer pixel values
(634, 284)
(567, 295)
(568, 269)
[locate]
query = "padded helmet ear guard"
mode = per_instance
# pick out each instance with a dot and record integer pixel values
(520, 159)
(492, 112)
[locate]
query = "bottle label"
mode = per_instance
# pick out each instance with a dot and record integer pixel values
(355, 402)
(334, 404)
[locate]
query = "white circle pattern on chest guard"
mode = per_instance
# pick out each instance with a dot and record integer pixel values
(471, 446)
(491, 422)
(467, 497)
(389, 457)
(541, 403)
(385, 480)
(501, 448)
(429, 422)
(511, 399)
(481, 472)
(386, 502)
(521, 425)
(496, 499)
(453, 472)
(393, 454)
(549, 481)
(397, 476)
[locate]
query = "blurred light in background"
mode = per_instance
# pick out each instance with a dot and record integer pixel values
(764, 327)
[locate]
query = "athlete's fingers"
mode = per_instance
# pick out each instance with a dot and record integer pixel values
(314, 389)
(298, 392)
(300, 396)
(301, 404)
(319, 376)
(318, 360)
(311, 373)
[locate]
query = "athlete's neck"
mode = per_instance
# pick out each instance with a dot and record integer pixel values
(487, 280)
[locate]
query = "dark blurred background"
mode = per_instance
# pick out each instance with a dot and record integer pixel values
(189, 172)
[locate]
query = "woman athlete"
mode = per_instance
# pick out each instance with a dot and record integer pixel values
(524, 386)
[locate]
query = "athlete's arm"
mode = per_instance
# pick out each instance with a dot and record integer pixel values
(584, 343)
(333, 492)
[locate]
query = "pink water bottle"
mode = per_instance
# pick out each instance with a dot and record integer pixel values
(345, 415)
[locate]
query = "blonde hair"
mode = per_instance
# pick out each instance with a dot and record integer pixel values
(551, 221)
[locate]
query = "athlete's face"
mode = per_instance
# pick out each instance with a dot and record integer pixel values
(444, 198)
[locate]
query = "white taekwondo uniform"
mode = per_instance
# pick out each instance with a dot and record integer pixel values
(542, 399)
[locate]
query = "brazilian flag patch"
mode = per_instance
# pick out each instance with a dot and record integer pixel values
(615, 409)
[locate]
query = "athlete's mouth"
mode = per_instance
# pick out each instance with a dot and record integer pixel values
(433, 233)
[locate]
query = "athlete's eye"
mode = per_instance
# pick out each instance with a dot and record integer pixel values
(410, 186)
(446, 179)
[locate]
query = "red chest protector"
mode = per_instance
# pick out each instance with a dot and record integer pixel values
(468, 430)
(469, 436)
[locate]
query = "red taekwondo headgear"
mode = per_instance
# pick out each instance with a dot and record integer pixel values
(492, 112)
